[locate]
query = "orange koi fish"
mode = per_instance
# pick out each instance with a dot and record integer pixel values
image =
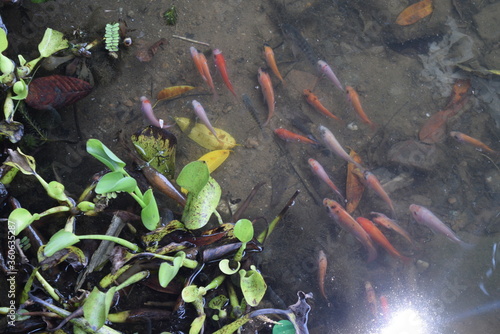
(271, 62)
(313, 100)
(200, 61)
(267, 90)
(321, 173)
(353, 98)
(425, 217)
(220, 63)
(292, 136)
(382, 220)
(371, 298)
(346, 222)
(354, 188)
(463, 138)
(372, 182)
(380, 238)
(322, 265)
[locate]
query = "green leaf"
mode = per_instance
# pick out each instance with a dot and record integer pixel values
(200, 207)
(194, 176)
(283, 327)
(52, 42)
(4, 43)
(167, 272)
(56, 191)
(243, 230)
(190, 293)
(7, 66)
(21, 218)
(21, 90)
(226, 266)
(197, 324)
(86, 206)
(252, 286)
(95, 309)
(218, 302)
(115, 181)
(58, 241)
(149, 214)
(99, 151)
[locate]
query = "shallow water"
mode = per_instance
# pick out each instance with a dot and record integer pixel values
(457, 293)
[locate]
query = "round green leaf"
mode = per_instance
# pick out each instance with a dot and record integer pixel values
(20, 218)
(60, 240)
(190, 293)
(194, 176)
(243, 230)
(200, 207)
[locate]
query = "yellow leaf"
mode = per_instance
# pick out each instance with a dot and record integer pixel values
(215, 158)
(203, 137)
(414, 13)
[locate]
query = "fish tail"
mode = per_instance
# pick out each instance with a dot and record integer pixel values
(466, 245)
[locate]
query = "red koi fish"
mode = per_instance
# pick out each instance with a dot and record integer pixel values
(313, 100)
(382, 220)
(353, 97)
(267, 90)
(220, 63)
(346, 222)
(292, 136)
(425, 217)
(479, 145)
(325, 69)
(322, 265)
(200, 61)
(380, 239)
(271, 62)
(321, 173)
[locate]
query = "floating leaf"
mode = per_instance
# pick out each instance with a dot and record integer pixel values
(58, 241)
(157, 147)
(194, 176)
(4, 43)
(215, 158)
(284, 327)
(167, 272)
(21, 90)
(229, 267)
(21, 218)
(52, 42)
(73, 255)
(200, 207)
(94, 309)
(415, 13)
(203, 137)
(171, 92)
(243, 230)
(190, 293)
(149, 214)
(99, 151)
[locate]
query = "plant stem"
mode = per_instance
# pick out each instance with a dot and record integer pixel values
(50, 290)
(119, 241)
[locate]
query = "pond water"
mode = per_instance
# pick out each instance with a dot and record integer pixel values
(403, 76)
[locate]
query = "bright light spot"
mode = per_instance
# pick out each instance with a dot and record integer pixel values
(405, 322)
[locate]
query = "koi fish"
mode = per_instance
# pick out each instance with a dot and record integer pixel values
(267, 90)
(425, 217)
(371, 298)
(354, 188)
(200, 61)
(294, 36)
(220, 63)
(313, 100)
(271, 62)
(325, 69)
(333, 145)
(380, 238)
(147, 110)
(383, 220)
(321, 173)
(345, 221)
(384, 307)
(463, 138)
(322, 265)
(202, 115)
(372, 182)
(353, 98)
(291, 136)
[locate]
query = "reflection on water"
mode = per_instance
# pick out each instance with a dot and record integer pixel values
(404, 77)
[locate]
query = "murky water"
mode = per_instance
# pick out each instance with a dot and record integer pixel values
(458, 292)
